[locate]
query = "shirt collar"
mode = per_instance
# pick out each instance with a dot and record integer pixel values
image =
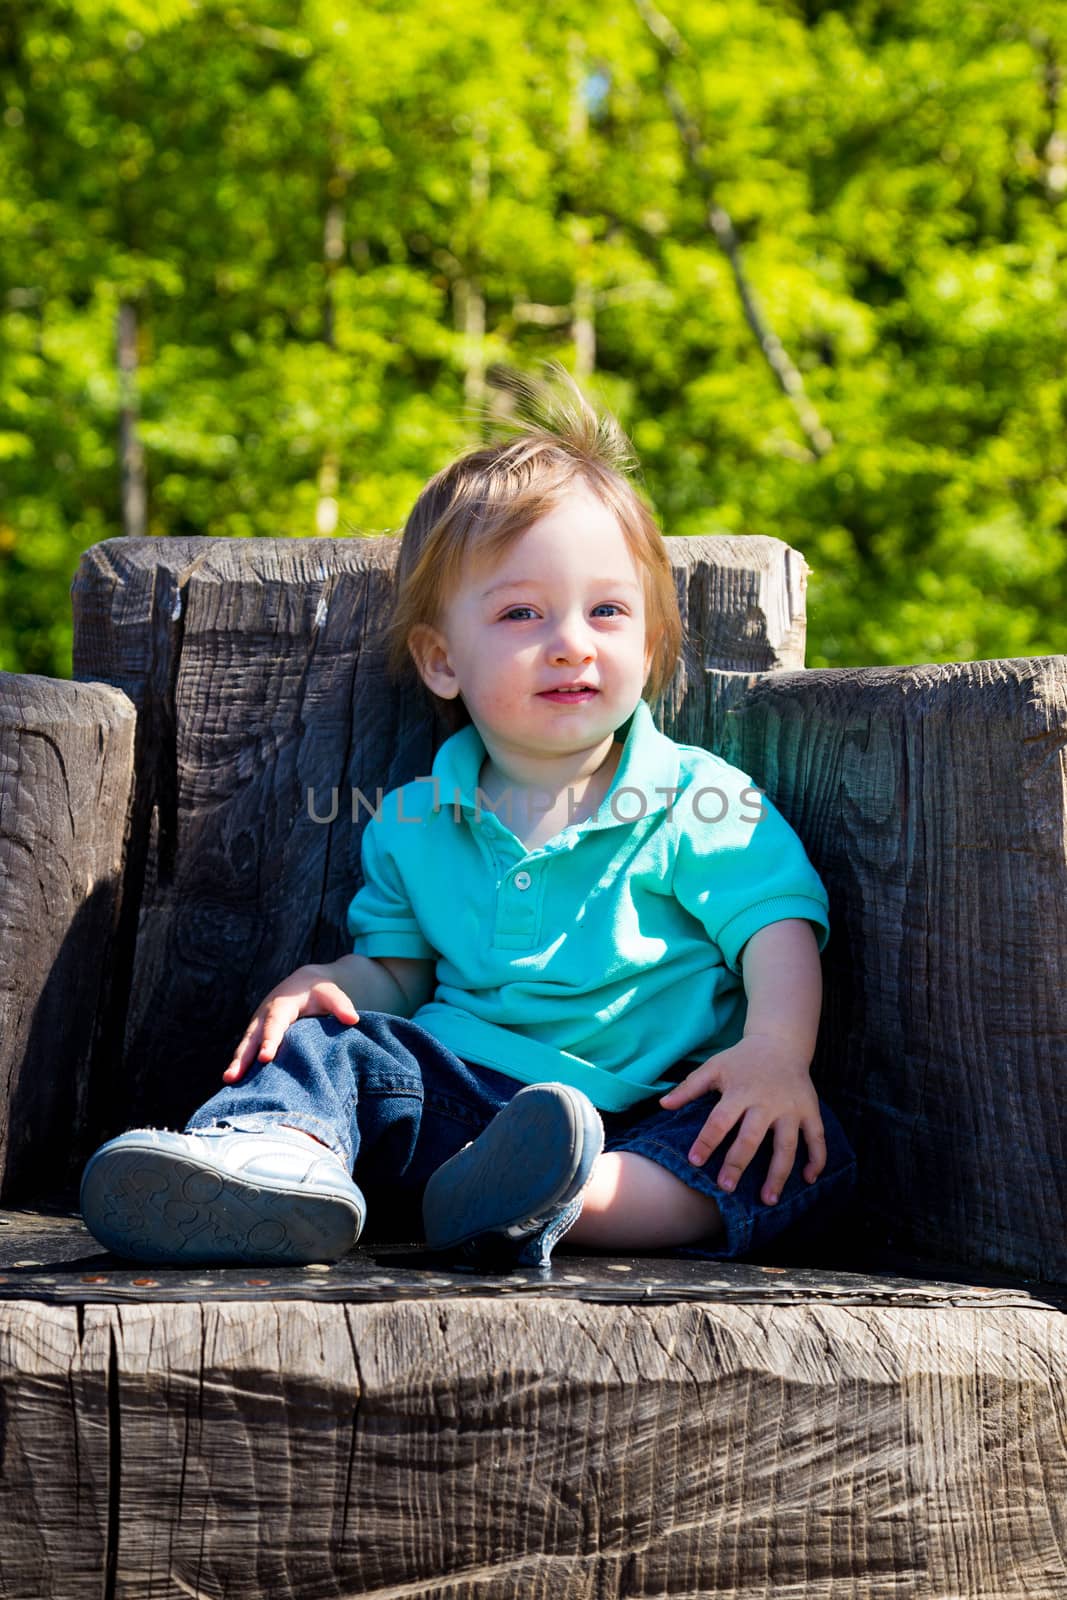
(647, 767)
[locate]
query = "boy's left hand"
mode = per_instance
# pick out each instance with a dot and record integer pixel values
(763, 1084)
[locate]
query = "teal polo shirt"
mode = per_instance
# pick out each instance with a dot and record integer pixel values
(606, 955)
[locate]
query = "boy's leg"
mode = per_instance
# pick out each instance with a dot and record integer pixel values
(243, 1181)
(633, 1203)
(310, 1085)
(737, 1223)
(383, 1097)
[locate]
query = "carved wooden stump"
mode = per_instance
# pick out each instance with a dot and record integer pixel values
(933, 801)
(66, 774)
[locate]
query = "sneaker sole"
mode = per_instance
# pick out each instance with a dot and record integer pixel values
(477, 1192)
(155, 1206)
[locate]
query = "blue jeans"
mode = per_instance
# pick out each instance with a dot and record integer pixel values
(395, 1104)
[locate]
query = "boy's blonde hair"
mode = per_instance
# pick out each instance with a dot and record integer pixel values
(480, 505)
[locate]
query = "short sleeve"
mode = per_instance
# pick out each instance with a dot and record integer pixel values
(380, 919)
(739, 865)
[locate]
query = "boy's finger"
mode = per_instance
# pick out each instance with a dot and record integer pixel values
(690, 1088)
(815, 1139)
(243, 1052)
(277, 1019)
(340, 1003)
(245, 1047)
(785, 1151)
(741, 1151)
(712, 1134)
(242, 1055)
(327, 999)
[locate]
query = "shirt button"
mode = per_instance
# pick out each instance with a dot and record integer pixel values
(522, 880)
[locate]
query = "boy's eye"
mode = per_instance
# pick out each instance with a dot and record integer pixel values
(522, 613)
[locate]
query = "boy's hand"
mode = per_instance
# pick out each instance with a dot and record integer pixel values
(763, 1084)
(307, 992)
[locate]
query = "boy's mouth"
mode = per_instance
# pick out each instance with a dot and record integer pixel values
(577, 692)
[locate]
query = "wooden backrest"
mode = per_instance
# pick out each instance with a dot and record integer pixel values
(257, 671)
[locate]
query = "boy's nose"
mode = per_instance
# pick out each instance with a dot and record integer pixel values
(573, 643)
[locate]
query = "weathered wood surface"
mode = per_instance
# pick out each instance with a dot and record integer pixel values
(49, 1255)
(66, 774)
(483, 1449)
(933, 801)
(742, 603)
(259, 679)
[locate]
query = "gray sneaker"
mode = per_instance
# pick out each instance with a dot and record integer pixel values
(221, 1195)
(508, 1196)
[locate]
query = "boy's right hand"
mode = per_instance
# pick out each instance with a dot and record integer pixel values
(308, 992)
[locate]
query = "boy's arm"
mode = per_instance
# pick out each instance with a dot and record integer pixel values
(783, 981)
(397, 984)
(763, 1079)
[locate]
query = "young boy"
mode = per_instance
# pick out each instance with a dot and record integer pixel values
(585, 986)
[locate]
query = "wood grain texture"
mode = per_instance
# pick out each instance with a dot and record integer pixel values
(481, 1450)
(264, 712)
(66, 773)
(933, 801)
(49, 1255)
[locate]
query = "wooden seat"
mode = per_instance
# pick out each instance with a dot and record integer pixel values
(881, 1414)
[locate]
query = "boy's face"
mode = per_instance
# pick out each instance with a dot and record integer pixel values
(563, 609)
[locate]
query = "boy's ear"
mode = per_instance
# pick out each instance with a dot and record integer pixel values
(429, 651)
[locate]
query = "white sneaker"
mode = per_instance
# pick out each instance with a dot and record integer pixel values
(221, 1194)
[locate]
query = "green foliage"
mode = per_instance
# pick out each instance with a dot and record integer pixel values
(303, 200)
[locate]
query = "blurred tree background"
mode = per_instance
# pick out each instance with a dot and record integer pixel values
(257, 260)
